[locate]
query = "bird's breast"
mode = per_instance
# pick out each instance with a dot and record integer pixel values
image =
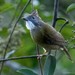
(37, 36)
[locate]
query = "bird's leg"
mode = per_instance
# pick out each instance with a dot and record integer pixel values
(38, 53)
(45, 51)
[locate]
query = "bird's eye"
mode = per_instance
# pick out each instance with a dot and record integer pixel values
(33, 17)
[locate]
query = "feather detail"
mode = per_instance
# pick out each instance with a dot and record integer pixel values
(53, 36)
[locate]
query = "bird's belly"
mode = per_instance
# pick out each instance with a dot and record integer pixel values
(38, 38)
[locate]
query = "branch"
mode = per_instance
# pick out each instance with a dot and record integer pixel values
(12, 33)
(23, 57)
(63, 24)
(56, 4)
(39, 59)
(55, 18)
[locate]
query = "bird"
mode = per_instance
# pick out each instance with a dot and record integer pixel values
(44, 34)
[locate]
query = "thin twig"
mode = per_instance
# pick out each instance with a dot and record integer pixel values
(23, 57)
(55, 19)
(63, 24)
(12, 33)
(39, 59)
(56, 4)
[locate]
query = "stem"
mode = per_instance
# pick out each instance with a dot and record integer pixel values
(56, 4)
(23, 57)
(39, 59)
(63, 24)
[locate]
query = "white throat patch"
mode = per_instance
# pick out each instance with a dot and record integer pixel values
(30, 25)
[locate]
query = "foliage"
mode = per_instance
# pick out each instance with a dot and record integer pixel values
(21, 43)
(71, 7)
(50, 65)
(27, 72)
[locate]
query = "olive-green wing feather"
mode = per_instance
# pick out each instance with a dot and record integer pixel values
(51, 36)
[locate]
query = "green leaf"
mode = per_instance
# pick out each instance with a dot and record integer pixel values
(27, 72)
(71, 7)
(50, 65)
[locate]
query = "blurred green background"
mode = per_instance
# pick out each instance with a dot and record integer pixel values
(22, 44)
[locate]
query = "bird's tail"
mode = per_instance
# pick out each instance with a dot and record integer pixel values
(67, 53)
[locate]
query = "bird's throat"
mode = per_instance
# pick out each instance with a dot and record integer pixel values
(30, 25)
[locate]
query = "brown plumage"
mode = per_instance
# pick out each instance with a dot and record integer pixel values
(45, 35)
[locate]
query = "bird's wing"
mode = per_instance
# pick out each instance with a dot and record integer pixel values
(51, 36)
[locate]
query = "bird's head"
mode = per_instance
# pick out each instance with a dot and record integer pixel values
(32, 20)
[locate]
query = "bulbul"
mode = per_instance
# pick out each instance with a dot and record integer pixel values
(45, 35)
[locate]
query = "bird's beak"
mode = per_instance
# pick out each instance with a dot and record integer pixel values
(24, 18)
